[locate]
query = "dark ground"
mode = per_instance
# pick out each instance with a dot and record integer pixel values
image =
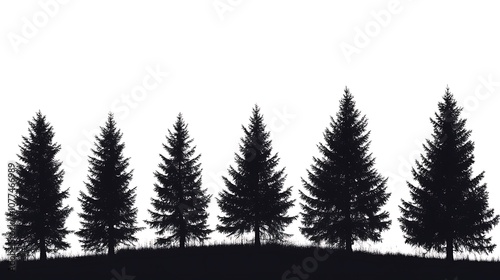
(246, 262)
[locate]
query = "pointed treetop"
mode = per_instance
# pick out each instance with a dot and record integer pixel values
(40, 118)
(447, 94)
(448, 108)
(347, 98)
(256, 120)
(40, 126)
(449, 100)
(180, 126)
(111, 127)
(348, 94)
(111, 120)
(347, 106)
(180, 120)
(256, 115)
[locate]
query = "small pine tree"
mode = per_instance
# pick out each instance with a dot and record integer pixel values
(108, 215)
(449, 208)
(37, 221)
(255, 199)
(181, 204)
(345, 192)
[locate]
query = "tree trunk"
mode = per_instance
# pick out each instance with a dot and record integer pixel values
(43, 249)
(182, 241)
(257, 235)
(183, 226)
(449, 249)
(348, 231)
(348, 243)
(111, 242)
(111, 248)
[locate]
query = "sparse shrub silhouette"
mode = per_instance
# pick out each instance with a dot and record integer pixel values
(449, 206)
(109, 215)
(255, 199)
(180, 207)
(37, 221)
(344, 191)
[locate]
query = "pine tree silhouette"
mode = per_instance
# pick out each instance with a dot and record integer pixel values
(109, 216)
(181, 204)
(37, 223)
(255, 199)
(345, 192)
(449, 207)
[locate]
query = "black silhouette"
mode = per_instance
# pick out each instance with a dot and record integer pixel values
(108, 216)
(244, 262)
(37, 223)
(345, 191)
(255, 199)
(449, 207)
(181, 204)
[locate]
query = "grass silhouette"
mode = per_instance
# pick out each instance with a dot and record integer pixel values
(271, 261)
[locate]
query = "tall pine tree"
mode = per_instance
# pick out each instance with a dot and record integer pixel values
(449, 208)
(345, 192)
(255, 199)
(37, 221)
(181, 204)
(109, 215)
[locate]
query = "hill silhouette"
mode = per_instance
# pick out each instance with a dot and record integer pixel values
(270, 261)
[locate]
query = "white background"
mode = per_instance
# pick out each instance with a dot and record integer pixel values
(78, 60)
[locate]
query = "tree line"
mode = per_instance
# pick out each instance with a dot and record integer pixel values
(341, 203)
